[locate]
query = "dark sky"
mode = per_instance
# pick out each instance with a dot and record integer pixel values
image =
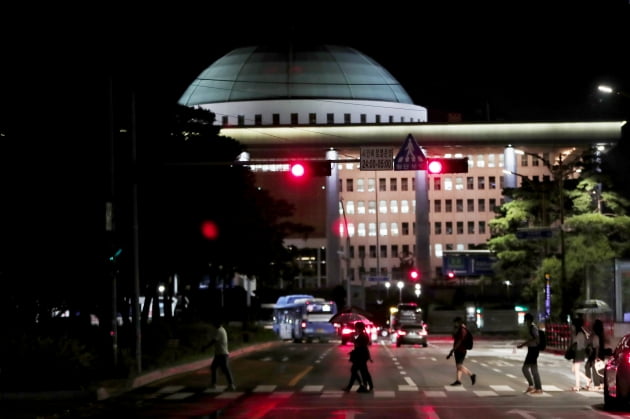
(524, 61)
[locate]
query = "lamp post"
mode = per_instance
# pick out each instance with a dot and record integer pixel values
(400, 286)
(387, 285)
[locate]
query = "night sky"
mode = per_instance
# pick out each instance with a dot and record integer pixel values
(522, 61)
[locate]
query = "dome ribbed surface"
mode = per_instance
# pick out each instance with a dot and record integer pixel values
(278, 73)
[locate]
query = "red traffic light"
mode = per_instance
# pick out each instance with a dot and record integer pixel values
(451, 275)
(447, 165)
(414, 274)
(301, 169)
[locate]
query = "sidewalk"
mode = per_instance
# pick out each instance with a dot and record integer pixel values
(114, 387)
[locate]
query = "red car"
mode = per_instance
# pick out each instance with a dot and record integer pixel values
(345, 327)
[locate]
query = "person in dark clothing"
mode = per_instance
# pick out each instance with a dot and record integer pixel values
(459, 350)
(597, 343)
(359, 358)
(530, 365)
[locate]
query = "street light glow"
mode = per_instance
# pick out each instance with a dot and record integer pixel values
(605, 89)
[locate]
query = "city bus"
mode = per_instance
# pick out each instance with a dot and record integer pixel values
(304, 317)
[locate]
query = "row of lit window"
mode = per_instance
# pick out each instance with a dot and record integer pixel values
(312, 119)
(406, 228)
(447, 183)
(407, 207)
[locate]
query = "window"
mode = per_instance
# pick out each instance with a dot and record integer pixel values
(405, 249)
(371, 207)
(275, 119)
(378, 119)
(459, 205)
(459, 183)
(492, 182)
(241, 120)
(460, 227)
(482, 227)
(393, 206)
(492, 204)
(383, 251)
(346, 118)
(330, 118)
(372, 251)
(383, 229)
(491, 160)
(471, 227)
(351, 251)
(382, 206)
(413, 183)
(391, 119)
(438, 250)
(382, 185)
(404, 184)
(361, 232)
(449, 227)
(361, 252)
(470, 183)
(350, 207)
(372, 229)
(448, 207)
(224, 120)
(481, 182)
(437, 227)
(394, 250)
(371, 185)
(294, 119)
(481, 205)
(470, 205)
(312, 118)
(393, 228)
(349, 185)
(258, 119)
(393, 184)
(524, 159)
(437, 205)
(405, 229)
(361, 185)
(448, 183)
(363, 118)
(361, 207)
(437, 183)
(480, 161)
(404, 206)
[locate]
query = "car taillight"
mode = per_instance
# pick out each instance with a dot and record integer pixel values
(347, 331)
(401, 333)
(626, 357)
(303, 324)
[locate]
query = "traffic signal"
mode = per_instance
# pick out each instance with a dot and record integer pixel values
(413, 274)
(447, 165)
(450, 275)
(306, 168)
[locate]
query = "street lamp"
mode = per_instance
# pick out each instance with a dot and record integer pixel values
(400, 286)
(418, 290)
(609, 90)
(387, 285)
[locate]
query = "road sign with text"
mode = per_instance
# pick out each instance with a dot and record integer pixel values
(377, 158)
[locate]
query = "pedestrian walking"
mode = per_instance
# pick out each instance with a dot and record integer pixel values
(530, 365)
(221, 355)
(459, 350)
(359, 357)
(580, 339)
(597, 344)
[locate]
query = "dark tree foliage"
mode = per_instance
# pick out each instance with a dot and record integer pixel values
(199, 183)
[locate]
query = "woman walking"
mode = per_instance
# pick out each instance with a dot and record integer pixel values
(597, 343)
(580, 339)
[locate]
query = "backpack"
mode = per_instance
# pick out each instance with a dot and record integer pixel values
(542, 338)
(468, 340)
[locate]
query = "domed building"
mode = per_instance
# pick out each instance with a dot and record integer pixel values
(335, 104)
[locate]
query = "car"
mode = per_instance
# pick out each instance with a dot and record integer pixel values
(411, 334)
(345, 331)
(617, 375)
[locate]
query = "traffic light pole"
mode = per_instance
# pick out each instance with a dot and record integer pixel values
(423, 250)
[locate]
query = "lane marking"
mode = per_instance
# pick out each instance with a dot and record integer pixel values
(301, 375)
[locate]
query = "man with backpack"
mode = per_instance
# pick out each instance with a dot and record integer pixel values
(461, 342)
(530, 365)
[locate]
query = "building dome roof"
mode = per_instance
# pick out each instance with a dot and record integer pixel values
(295, 72)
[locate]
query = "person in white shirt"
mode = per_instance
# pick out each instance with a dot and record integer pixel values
(221, 355)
